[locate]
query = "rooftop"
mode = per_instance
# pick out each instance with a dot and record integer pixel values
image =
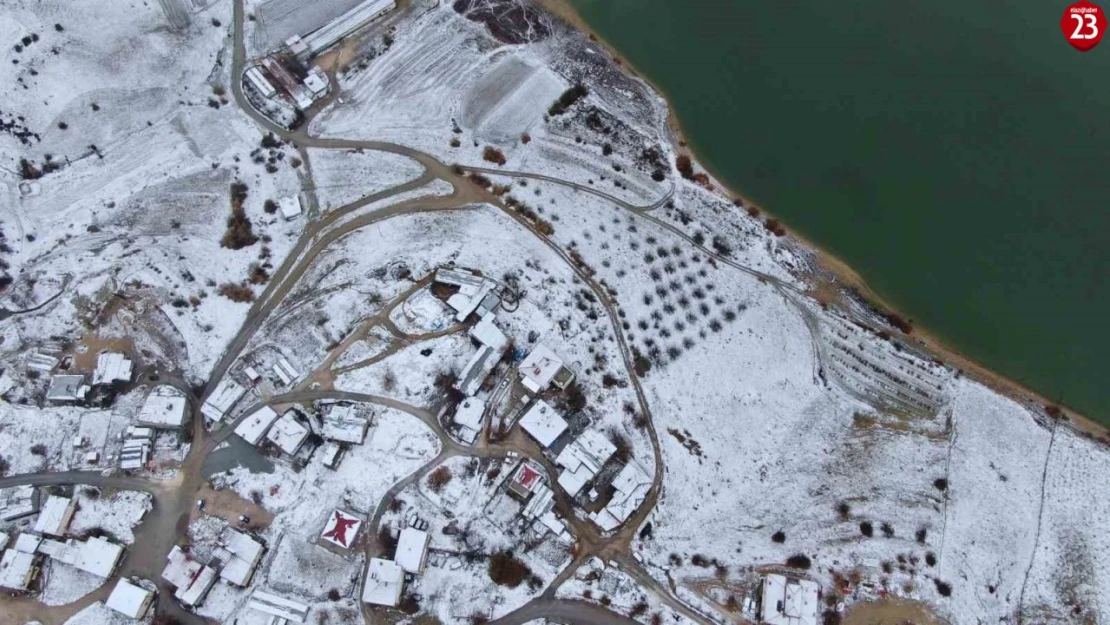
(280, 607)
(255, 426)
(341, 528)
(412, 550)
(384, 582)
(287, 433)
(112, 367)
(129, 600)
(65, 388)
(165, 407)
(539, 367)
(55, 515)
(789, 601)
(15, 569)
(343, 423)
(543, 423)
(223, 397)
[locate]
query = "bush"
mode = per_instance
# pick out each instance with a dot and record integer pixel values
(38, 449)
(799, 561)
(773, 225)
(4, 466)
(439, 478)
(887, 529)
(940, 484)
(684, 166)
(236, 292)
(386, 540)
(270, 207)
(866, 529)
(900, 322)
(699, 560)
(569, 97)
(943, 588)
(931, 558)
(506, 570)
(257, 274)
(921, 534)
(239, 233)
(493, 155)
(843, 510)
(778, 537)
(624, 447)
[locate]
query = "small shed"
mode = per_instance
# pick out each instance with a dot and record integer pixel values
(67, 389)
(412, 550)
(385, 580)
(130, 600)
(543, 423)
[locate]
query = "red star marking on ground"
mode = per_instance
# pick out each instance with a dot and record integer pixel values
(339, 532)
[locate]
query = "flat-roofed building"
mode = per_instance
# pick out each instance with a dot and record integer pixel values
(97, 556)
(165, 407)
(343, 423)
(240, 554)
(385, 580)
(17, 502)
(412, 550)
(67, 389)
(55, 515)
(787, 601)
(542, 368)
(341, 529)
(254, 427)
(191, 579)
(17, 570)
(130, 600)
(582, 459)
(112, 367)
(222, 399)
(278, 607)
(468, 416)
(260, 83)
(287, 433)
(542, 423)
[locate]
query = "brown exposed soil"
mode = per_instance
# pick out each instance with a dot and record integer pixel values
(891, 612)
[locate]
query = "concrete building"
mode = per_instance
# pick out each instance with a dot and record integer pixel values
(384, 582)
(240, 555)
(130, 600)
(97, 556)
(282, 609)
(468, 416)
(542, 368)
(290, 210)
(191, 579)
(17, 570)
(525, 480)
(67, 389)
(630, 488)
(112, 368)
(253, 428)
(317, 82)
(412, 550)
(287, 433)
(17, 502)
(55, 516)
(582, 459)
(165, 407)
(788, 601)
(343, 423)
(542, 423)
(222, 399)
(331, 455)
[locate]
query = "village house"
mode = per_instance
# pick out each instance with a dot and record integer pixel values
(18, 569)
(582, 459)
(55, 515)
(542, 368)
(787, 601)
(412, 550)
(240, 554)
(343, 423)
(67, 389)
(542, 423)
(283, 610)
(630, 488)
(97, 556)
(287, 433)
(17, 502)
(468, 416)
(191, 579)
(112, 368)
(130, 600)
(384, 582)
(165, 407)
(341, 529)
(254, 427)
(222, 399)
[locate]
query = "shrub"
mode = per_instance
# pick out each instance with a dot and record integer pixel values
(333, 594)
(269, 206)
(921, 534)
(887, 529)
(569, 97)
(38, 449)
(900, 322)
(236, 292)
(699, 560)
(4, 466)
(28, 171)
(455, 142)
(684, 166)
(943, 588)
(866, 529)
(506, 570)
(439, 478)
(493, 155)
(773, 225)
(940, 484)
(931, 558)
(386, 540)
(778, 537)
(799, 561)
(843, 510)
(623, 446)
(525, 138)
(239, 233)
(257, 274)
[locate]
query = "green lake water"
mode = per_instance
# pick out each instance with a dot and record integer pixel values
(955, 154)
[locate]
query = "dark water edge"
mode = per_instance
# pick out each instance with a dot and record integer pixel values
(956, 155)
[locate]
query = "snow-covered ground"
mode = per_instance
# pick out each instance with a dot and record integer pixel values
(116, 513)
(344, 176)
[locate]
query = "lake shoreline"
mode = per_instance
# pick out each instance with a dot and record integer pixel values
(846, 276)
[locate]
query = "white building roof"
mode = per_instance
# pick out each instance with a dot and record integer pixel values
(55, 515)
(223, 397)
(543, 423)
(66, 388)
(589, 451)
(342, 423)
(486, 332)
(98, 556)
(329, 454)
(290, 208)
(459, 278)
(27, 542)
(573, 481)
(261, 84)
(478, 369)
(412, 550)
(16, 502)
(129, 600)
(341, 528)
(789, 601)
(631, 485)
(539, 367)
(112, 367)
(16, 568)
(469, 413)
(316, 81)
(181, 569)
(254, 427)
(198, 590)
(287, 433)
(278, 606)
(240, 554)
(346, 24)
(165, 407)
(384, 582)
(541, 502)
